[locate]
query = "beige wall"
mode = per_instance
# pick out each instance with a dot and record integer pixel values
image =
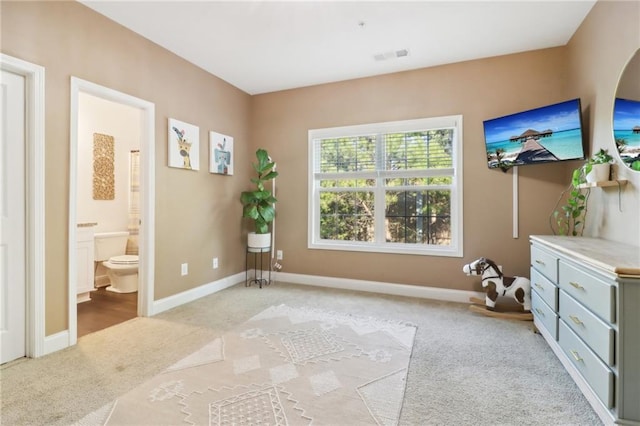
(598, 53)
(478, 90)
(123, 122)
(197, 213)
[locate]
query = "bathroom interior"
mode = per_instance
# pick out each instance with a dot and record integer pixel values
(108, 212)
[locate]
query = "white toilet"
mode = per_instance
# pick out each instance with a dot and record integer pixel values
(122, 269)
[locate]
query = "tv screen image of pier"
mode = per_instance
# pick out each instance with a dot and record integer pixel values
(541, 135)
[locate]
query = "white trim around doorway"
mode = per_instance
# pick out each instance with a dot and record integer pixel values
(35, 238)
(147, 196)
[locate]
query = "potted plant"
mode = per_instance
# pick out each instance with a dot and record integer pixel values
(570, 218)
(598, 167)
(259, 204)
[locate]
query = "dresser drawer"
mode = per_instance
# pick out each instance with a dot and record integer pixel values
(593, 293)
(597, 334)
(545, 262)
(544, 314)
(595, 372)
(545, 289)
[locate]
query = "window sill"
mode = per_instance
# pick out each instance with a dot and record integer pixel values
(387, 249)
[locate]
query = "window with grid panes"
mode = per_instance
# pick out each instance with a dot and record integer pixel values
(387, 187)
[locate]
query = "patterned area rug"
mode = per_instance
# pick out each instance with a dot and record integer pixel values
(285, 366)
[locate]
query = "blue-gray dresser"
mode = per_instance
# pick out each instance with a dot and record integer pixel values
(585, 295)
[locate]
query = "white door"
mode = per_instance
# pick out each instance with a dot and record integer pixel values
(12, 212)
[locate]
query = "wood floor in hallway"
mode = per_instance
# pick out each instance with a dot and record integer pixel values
(105, 309)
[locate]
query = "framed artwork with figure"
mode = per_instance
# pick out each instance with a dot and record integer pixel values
(184, 145)
(220, 153)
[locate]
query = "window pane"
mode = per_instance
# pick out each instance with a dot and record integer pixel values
(419, 150)
(412, 168)
(419, 181)
(347, 183)
(347, 216)
(347, 154)
(418, 217)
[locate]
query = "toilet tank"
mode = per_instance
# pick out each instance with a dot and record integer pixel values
(109, 244)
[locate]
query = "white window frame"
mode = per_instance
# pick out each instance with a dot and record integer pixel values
(454, 250)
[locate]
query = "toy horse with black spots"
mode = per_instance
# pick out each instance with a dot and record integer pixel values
(496, 284)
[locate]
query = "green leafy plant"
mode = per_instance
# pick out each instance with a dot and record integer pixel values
(631, 162)
(570, 218)
(600, 157)
(259, 203)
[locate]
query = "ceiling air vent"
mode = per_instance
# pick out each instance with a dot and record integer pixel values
(394, 54)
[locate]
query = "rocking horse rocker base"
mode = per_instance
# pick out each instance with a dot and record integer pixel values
(496, 285)
(514, 312)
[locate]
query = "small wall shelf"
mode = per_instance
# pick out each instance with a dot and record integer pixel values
(604, 184)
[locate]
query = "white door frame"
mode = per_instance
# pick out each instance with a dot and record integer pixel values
(34, 152)
(147, 196)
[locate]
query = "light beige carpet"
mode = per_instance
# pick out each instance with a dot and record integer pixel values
(284, 366)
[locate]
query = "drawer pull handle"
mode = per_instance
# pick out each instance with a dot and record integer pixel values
(576, 285)
(538, 286)
(576, 320)
(539, 262)
(576, 356)
(540, 312)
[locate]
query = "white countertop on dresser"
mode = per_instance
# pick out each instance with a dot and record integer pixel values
(611, 256)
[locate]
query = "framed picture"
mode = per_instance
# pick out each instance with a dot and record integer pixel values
(184, 145)
(220, 153)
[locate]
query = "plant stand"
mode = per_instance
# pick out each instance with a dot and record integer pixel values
(258, 272)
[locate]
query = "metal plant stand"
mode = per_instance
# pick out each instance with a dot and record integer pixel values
(258, 271)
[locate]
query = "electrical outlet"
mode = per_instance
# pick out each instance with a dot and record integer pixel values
(279, 255)
(184, 269)
(215, 263)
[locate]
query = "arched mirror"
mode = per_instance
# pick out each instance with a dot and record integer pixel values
(626, 114)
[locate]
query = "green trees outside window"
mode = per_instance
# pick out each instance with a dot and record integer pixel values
(400, 182)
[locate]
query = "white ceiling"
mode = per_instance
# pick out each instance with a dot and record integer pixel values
(265, 46)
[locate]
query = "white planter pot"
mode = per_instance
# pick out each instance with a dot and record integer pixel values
(258, 241)
(599, 173)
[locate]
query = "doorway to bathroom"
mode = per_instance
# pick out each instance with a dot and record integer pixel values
(111, 208)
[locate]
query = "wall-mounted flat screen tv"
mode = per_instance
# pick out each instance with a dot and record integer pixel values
(541, 135)
(626, 130)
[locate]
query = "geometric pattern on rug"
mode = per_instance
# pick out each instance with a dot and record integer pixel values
(305, 345)
(310, 345)
(245, 405)
(324, 382)
(402, 331)
(212, 352)
(98, 417)
(257, 407)
(284, 366)
(384, 396)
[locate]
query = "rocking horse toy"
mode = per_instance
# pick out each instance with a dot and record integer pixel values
(497, 285)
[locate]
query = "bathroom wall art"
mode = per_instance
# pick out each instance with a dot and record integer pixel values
(103, 167)
(220, 154)
(184, 145)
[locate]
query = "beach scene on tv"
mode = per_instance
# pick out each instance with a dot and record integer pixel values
(626, 131)
(541, 135)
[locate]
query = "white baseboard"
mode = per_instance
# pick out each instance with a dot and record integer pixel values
(380, 287)
(195, 293)
(60, 340)
(56, 342)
